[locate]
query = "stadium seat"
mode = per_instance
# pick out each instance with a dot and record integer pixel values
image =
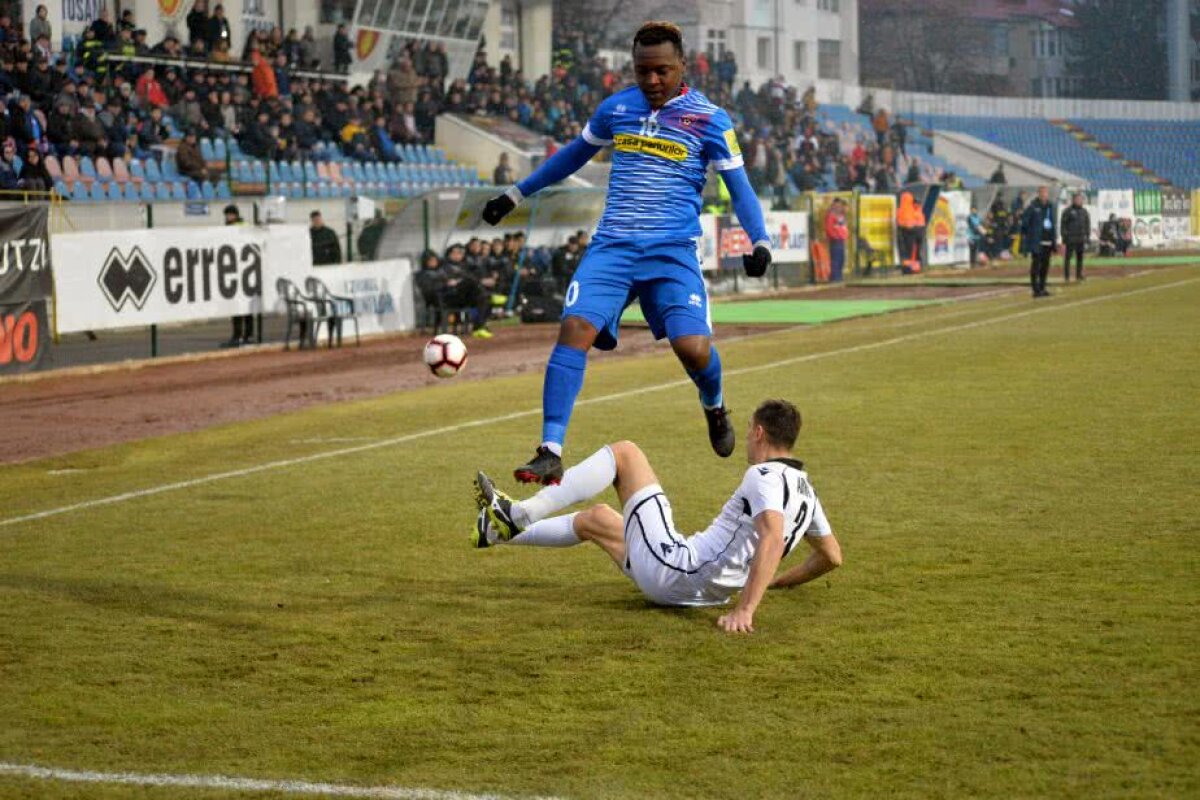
(169, 171)
(178, 192)
(147, 192)
(61, 188)
(70, 170)
(113, 190)
(98, 193)
(87, 168)
(258, 172)
(129, 192)
(220, 151)
(207, 191)
(54, 167)
(335, 173)
(206, 149)
(310, 172)
(192, 190)
(80, 193)
(162, 191)
(223, 192)
(120, 170)
(104, 170)
(153, 172)
(274, 173)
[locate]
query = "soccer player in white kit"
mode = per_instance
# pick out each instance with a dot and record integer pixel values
(770, 512)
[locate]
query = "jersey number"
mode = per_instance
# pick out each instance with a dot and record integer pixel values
(801, 523)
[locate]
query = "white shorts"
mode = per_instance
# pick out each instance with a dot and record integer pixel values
(658, 558)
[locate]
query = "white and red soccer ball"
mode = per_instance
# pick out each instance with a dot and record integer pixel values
(445, 355)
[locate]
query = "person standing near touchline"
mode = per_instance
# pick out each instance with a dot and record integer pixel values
(1076, 228)
(1039, 237)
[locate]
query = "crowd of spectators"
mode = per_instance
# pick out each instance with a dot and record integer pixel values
(488, 276)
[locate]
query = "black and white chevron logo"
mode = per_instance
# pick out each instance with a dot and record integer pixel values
(124, 278)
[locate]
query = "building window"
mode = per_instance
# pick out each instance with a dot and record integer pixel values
(798, 59)
(335, 12)
(828, 5)
(829, 59)
(764, 52)
(1035, 87)
(714, 43)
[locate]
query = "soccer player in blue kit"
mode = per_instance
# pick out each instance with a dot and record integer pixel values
(664, 135)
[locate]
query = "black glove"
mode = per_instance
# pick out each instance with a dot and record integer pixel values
(757, 262)
(497, 209)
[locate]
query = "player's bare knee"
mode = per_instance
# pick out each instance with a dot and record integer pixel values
(693, 351)
(577, 332)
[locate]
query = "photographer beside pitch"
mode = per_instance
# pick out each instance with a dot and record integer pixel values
(664, 136)
(774, 507)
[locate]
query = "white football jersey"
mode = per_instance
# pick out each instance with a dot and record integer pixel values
(725, 550)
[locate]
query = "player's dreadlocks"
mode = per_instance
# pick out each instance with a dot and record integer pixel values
(659, 32)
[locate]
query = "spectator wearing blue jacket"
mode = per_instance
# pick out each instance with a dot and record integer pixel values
(1039, 238)
(381, 140)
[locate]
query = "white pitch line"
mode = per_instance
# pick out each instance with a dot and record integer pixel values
(230, 783)
(1047, 307)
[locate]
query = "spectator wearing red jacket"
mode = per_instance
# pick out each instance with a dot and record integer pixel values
(837, 232)
(262, 77)
(150, 91)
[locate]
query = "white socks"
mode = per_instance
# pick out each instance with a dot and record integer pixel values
(552, 532)
(581, 482)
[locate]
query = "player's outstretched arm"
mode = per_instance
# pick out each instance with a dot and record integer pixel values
(769, 525)
(750, 216)
(561, 165)
(826, 556)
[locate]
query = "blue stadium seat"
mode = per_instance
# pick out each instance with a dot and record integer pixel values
(206, 149)
(153, 172)
(192, 190)
(147, 192)
(207, 191)
(87, 168)
(98, 194)
(114, 192)
(162, 191)
(169, 170)
(80, 193)
(274, 173)
(136, 170)
(258, 172)
(61, 189)
(178, 192)
(220, 152)
(310, 172)
(223, 192)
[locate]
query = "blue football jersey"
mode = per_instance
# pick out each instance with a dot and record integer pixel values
(660, 161)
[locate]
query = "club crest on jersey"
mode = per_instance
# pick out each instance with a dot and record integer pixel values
(688, 120)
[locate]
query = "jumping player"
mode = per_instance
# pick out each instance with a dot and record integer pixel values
(774, 507)
(664, 135)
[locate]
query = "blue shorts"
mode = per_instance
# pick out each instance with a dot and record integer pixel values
(664, 277)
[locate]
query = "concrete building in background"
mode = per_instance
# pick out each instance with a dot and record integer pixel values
(807, 42)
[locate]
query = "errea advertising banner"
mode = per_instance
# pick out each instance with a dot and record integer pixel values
(121, 279)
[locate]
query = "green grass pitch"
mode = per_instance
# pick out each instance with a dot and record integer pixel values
(1017, 616)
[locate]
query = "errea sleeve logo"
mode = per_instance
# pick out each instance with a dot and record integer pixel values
(731, 140)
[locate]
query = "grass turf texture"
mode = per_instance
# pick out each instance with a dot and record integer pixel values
(793, 312)
(1016, 616)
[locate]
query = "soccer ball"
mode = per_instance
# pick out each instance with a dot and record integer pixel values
(445, 355)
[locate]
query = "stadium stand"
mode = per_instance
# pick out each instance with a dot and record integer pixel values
(1043, 141)
(1166, 151)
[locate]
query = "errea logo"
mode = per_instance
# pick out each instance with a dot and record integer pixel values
(126, 278)
(695, 300)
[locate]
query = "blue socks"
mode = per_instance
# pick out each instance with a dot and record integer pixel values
(708, 381)
(564, 379)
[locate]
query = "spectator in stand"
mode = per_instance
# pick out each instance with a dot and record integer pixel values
(262, 76)
(150, 91)
(87, 133)
(881, 126)
(218, 30)
(102, 27)
(40, 25)
(727, 70)
(188, 159)
(307, 50)
(566, 261)
(34, 176)
(326, 249)
(1039, 237)
(837, 232)
(1076, 228)
(998, 176)
(370, 236)
(9, 172)
(197, 24)
(342, 50)
(503, 175)
(914, 171)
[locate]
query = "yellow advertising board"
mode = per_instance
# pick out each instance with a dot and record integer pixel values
(877, 224)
